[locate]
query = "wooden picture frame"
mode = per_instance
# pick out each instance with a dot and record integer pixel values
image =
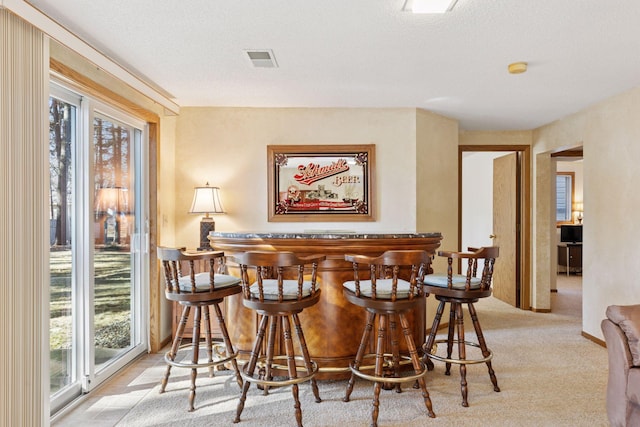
(320, 183)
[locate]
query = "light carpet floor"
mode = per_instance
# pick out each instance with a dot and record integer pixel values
(548, 373)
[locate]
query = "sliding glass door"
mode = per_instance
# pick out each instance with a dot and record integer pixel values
(99, 258)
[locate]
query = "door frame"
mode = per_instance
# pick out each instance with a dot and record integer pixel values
(523, 261)
(566, 155)
(86, 377)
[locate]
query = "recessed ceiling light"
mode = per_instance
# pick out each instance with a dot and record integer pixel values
(262, 58)
(429, 6)
(517, 67)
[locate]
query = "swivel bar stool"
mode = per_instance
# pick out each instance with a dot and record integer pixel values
(278, 287)
(386, 296)
(456, 290)
(198, 291)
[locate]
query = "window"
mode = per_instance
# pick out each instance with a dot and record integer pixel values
(98, 258)
(564, 197)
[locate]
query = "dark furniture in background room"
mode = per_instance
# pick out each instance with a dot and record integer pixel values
(570, 248)
(570, 257)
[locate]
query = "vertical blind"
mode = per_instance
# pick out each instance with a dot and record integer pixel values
(24, 173)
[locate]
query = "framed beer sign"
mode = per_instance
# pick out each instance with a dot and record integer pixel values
(320, 183)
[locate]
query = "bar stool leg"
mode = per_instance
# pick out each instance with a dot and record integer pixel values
(382, 335)
(371, 316)
(305, 356)
(195, 353)
(291, 364)
(395, 351)
(227, 343)
(207, 338)
(450, 337)
(271, 339)
(483, 345)
(413, 354)
(177, 340)
(462, 353)
(432, 335)
(251, 366)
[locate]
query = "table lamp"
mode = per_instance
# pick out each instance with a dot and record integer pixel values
(206, 200)
(578, 210)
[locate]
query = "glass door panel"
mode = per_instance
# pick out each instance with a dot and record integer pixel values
(62, 124)
(115, 218)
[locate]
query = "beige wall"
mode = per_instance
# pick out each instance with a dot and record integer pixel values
(227, 147)
(436, 166)
(610, 132)
(516, 137)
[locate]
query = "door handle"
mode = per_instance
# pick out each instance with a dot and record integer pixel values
(492, 236)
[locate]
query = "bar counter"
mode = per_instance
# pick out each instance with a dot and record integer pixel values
(333, 327)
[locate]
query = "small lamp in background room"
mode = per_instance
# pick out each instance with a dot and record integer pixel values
(578, 212)
(206, 200)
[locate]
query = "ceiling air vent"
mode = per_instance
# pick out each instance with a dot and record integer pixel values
(262, 58)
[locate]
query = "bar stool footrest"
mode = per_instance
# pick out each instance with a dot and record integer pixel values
(219, 351)
(405, 360)
(432, 354)
(280, 367)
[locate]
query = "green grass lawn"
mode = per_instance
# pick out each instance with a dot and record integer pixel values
(112, 303)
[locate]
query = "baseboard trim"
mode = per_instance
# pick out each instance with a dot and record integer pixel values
(594, 339)
(541, 310)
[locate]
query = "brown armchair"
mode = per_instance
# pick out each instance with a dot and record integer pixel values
(621, 331)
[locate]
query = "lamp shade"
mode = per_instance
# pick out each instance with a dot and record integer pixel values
(206, 200)
(113, 200)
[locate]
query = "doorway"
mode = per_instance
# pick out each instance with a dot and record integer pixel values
(520, 259)
(566, 262)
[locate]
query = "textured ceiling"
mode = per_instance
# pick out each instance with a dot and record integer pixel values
(370, 53)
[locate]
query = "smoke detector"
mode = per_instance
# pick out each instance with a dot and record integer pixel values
(517, 67)
(262, 58)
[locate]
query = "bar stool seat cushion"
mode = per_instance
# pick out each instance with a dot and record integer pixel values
(289, 289)
(383, 288)
(202, 282)
(458, 281)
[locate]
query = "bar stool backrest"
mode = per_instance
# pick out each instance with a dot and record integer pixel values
(178, 265)
(487, 254)
(390, 266)
(295, 277)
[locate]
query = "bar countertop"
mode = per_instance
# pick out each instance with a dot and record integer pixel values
(322, 234)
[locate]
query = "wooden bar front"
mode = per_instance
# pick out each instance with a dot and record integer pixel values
(333, 327)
